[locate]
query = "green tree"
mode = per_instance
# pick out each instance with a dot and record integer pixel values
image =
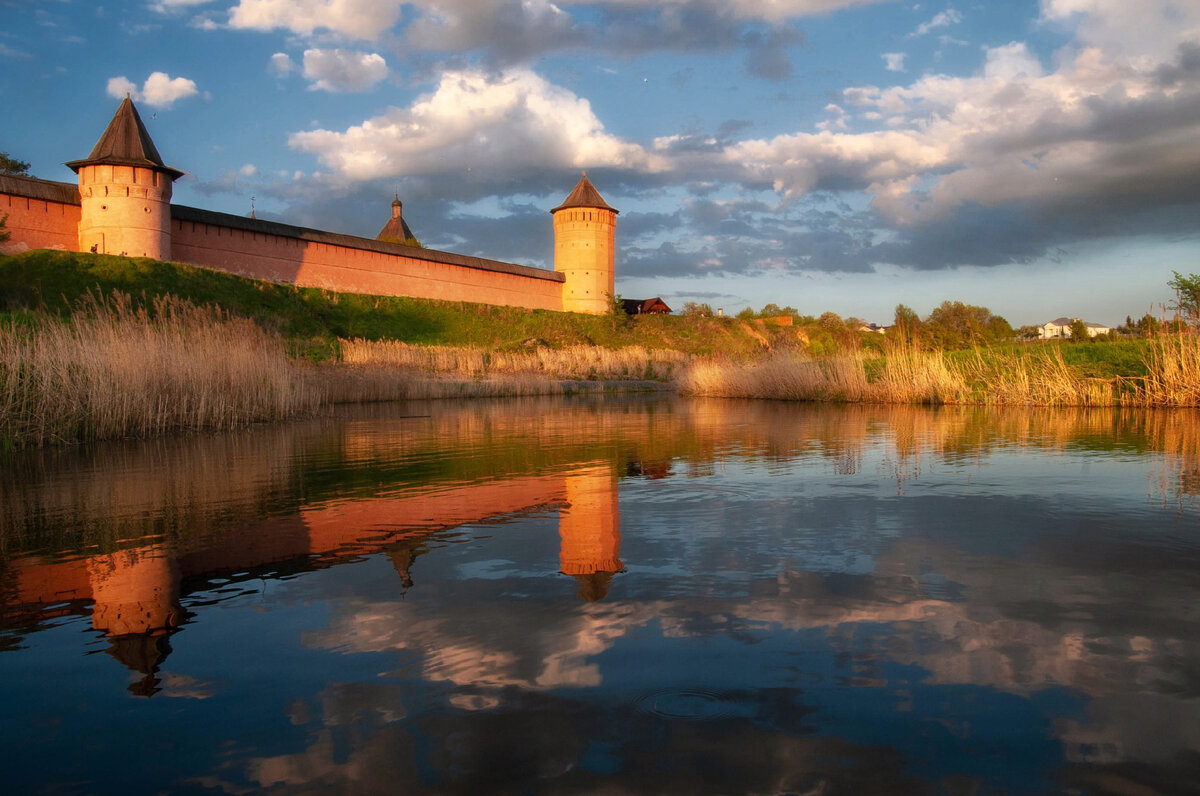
(906, 324)
(1079, 331)
(10, 165)
(953, 324)
(1148, 325)
(831, 322)
(775, 311)
(697, 310)
(4, 233)
(1187, 296)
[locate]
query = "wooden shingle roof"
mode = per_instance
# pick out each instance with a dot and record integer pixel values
(126, 142)
(585, 195)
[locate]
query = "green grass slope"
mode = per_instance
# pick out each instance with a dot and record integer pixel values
(313, 319)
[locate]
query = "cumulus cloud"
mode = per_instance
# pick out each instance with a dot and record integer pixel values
(941, 20)
(166, 6)
(280, 65)
(343, 70)
(160, 90)
(359, 19)
(1127, 30)
(773, 11)
(511, 30)
(495, 126)
(893, 62)
(999, 165)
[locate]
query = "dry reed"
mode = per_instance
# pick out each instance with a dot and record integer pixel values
(1173, 372)
(117, 370)
(574, 362)
(908, 374)
(358, 384)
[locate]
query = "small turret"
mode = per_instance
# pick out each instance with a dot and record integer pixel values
(585, 249)
(125, 191)
(396, 229)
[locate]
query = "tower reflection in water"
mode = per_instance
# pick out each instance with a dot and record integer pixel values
(135, 594)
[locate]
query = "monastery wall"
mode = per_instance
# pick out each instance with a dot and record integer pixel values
(309, 258)
(122, 205)
(41, 214)
(47, 215)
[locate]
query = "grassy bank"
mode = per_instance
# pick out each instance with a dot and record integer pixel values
(93, 346)
(313, 321)
(1167, 374)
(118, 369)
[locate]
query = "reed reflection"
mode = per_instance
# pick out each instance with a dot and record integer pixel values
(850, 540)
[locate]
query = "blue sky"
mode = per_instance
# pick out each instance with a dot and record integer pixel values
(1037, 158)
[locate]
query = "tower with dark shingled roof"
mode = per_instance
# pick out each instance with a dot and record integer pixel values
(396, 229)
(585, 249)
(125, 191)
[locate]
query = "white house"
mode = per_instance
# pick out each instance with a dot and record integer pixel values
(1060, 328)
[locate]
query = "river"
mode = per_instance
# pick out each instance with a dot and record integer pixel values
(609, 594)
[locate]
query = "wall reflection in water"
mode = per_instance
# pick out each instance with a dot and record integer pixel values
(881, 599)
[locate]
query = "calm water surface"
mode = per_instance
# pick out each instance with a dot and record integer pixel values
(619, 596)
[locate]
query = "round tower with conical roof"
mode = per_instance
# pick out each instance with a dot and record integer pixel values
(125, 191)
(585, 249)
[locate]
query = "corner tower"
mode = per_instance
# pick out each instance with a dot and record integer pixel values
(125, 191)
(585, 249)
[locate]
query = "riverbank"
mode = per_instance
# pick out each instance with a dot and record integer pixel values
(1167, 375)
(97, 363)
(313, 322)
(117, 368)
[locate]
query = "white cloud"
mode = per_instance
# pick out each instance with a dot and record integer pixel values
(941, 20)
(9, 52)
(343, 70)
(494, 126)
(119, 87)
(1098, 130)
(166, 6)
(893, 62)
(769, 10)
(160, 90)
(1128, 29)
(280, 64)
(1013, 61)
(358, 19)
(1094, 128)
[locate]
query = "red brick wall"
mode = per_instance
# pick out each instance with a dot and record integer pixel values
(314, 264)
(39, 224)
(46, 215)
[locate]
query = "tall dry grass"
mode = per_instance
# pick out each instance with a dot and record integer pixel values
(784, 375)
(116, 370)
(907, 374)
(1173, 372)
(357, 384)
(573, 362)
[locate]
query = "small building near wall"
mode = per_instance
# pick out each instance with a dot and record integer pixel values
(651, 306)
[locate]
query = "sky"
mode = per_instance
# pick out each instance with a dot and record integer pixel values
(1037, 157)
